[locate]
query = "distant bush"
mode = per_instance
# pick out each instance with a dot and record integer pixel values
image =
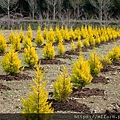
(3, 44)
(61, 48)
(11, 63)
(27, 42)
(48, 51)
(16, 45)
(114, 54)
(31, 57)
(39, 37)
(95, 64)
(81, 73)
(63, 86)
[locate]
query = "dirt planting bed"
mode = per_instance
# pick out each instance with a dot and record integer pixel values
(101, 96)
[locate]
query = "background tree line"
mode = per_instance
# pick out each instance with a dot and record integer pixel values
(62, 9)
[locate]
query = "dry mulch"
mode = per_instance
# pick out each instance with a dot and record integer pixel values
(116, 63)
(64, 56)
(99, 79)
(87, 92)
(70, 105)
(107, 69)
(72, 52)
(15, 77)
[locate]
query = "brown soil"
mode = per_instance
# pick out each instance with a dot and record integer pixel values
(63, 56)
(1, 54)
(53, 61)
(87, 92)
(116, 63)
(15, 77)
(70, 105)
(72, 52)
(4, 87)
(114, 114)
(100, 79)
(107, 69)
(28, 68)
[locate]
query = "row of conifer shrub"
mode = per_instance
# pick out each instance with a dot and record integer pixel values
(82, 73)
(85, 36)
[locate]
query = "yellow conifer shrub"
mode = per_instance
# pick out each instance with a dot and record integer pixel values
(30, 56)
(29, 32)
(62, 86)
(58, 35)
(21, 35)
(11, 63)
(73, 46)
(39, 37)
(66, 35)
(36, 105)
(72, 34)
(95, 64)
(27, 42)
(45, 33)
(81, 73)
(48, 51)
(79, 44)
(91, 41)
(3, 44)
(50, 36)
(86, 42)
(105, 61)
(97, 40)
(114, 54)
(16, 45)
(77, 33)
(61, 48)
(11, 36)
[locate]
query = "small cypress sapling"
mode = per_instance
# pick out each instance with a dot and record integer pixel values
(92, 41)
(39, 38)
(3, 44)
(16, 45)
(105, 61)
(61, 48)
(114, 54)
(45, 33)
(66, 35)
(95, 64)
(27, 42)
(30, 56)
(51, 36)
(48, 51)
(81, 73)
(79, 44)
(63, 86)
(86, 42)
(21, 35)
(58, 35)
(72, 46)
(11, 37)
(29, 33)
(11, 63)
(37, 103)
(72, 34)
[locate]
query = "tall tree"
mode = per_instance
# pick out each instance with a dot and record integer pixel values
(53, 4)
(6, 4)
(33, 6)
(76, 6)
(102, 6)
